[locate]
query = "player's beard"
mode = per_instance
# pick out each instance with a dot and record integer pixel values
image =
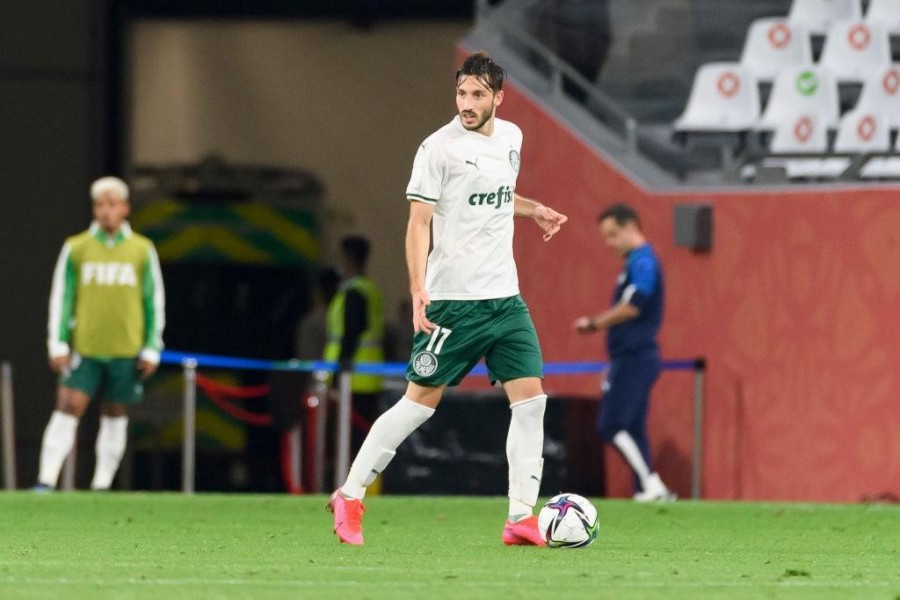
(481, 119)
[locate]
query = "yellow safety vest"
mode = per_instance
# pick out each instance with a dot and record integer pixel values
(370, 341)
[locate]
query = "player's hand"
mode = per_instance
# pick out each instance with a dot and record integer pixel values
(59, 364)
(584, 325)
(549, 220)
(420, 302)
(146, 368)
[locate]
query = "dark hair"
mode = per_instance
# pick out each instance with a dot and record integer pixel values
(356, 248)
(482, 66)
(621, 213)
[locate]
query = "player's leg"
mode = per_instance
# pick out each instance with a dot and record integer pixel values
(377, 450)
(112, 438)
(387, 433)
(515, 359)
(72, 398)
(618, 409)
(622, 420)
(122, 388)
(524, 449)
(438, 359)
(647, 372)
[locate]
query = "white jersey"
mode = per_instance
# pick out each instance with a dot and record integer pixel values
(470, 178)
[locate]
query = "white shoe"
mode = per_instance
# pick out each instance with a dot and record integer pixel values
(655, 491)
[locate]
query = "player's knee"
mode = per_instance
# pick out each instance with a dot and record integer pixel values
(109, 409)
(71, 402)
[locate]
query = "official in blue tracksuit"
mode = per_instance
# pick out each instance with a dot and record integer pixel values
(632, 324)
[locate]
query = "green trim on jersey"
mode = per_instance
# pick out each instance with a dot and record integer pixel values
(421, 198)
(62, 302)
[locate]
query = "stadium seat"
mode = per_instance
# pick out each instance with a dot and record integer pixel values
(798, 134)
(883, 167)
(855, 49)
(860, 132)
(886, 13)
(773, 43)
(724, 98)
(818, 15)
(802, 90)
(881, 93)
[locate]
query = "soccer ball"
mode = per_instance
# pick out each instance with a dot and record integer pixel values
(568, 521)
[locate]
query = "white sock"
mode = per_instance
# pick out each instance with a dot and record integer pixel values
(629, 449)
(59, 437)
(387, 433)
(524, 446)
(111, 441)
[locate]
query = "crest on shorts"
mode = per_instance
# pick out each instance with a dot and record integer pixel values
(425, 364)
(514, 160)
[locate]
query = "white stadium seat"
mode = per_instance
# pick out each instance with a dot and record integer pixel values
(724, 98)
(802, 90)
(773, 43)
(855, 49)
(883, 167)
(860, 132)
(886, 13)
(881, 93)
(818, 15)
(800, 133)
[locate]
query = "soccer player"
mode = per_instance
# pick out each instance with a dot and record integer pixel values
(104, 332)
(632, 324)
(465, 297)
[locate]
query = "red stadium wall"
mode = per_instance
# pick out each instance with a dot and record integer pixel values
(795, 309)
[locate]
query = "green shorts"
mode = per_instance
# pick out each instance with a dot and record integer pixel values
(111, 379)
(500, 331)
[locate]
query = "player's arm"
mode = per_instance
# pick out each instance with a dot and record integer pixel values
(154, 304)
(418, 240)
(644, 279)
(547, 219)
(62, 305)
(621, 312)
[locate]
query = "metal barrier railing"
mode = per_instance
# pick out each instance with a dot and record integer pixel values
(7, 429)
(191, 362)
(320, 369)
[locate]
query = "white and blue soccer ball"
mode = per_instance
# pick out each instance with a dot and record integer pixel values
(568, 521)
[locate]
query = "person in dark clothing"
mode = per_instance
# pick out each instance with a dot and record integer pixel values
(355, 329)
(632, 324)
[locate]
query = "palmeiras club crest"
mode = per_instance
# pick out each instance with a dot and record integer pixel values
(425, 364)
(514, 160)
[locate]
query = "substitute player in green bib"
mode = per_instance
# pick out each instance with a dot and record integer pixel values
(104, 332)
(465, 297)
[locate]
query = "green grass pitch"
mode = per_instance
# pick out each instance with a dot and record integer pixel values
(132, 545)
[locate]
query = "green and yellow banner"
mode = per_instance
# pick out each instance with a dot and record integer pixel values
(237, 233)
